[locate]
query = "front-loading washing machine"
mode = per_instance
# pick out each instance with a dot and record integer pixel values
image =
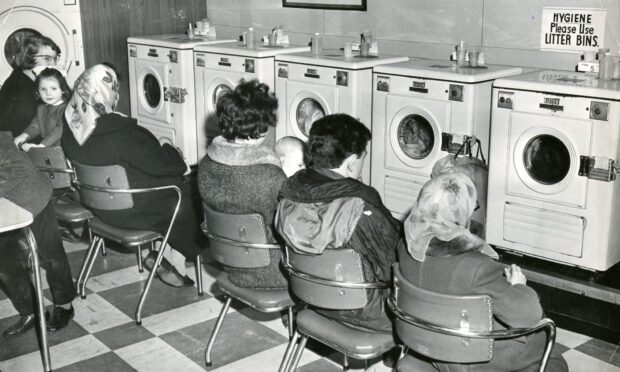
(422, 111)
(161, 87)
(311, 86)
(553, 192)
(57, 19)
(219, 68)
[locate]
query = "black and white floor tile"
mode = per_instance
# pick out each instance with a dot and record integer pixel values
(176, 326)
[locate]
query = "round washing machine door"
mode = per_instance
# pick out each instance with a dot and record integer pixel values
(306, 108)
(217, 88)
(545, 160)
(415, 137)
(20, 22)
(151, 93)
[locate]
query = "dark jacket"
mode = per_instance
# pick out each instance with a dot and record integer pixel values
(20, 181)
(18, 103)
(47, 124)
(319, 210)
(469, 272)
(249, 183)
(118, 140)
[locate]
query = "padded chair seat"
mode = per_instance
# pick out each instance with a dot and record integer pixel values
(72, 212)
(126, 237)
(342, 337)
(263, 300)
(409, 363)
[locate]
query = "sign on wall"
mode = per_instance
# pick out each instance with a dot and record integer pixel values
(572, 29)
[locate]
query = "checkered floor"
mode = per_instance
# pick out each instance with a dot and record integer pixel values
(177, 324)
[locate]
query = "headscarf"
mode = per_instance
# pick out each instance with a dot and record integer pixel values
(95, 93)
(443, 211)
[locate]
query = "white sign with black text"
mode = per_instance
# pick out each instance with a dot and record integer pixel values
(572, 29)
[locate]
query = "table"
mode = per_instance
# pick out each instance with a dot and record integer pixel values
(13, 217)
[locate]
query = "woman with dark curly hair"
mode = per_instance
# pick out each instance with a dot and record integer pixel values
(241, 174)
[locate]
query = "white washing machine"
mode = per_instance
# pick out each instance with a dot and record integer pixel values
(218, 69)
(161, 87)
(309, 87)
(422, 111)
(553, 192)
(57, 19)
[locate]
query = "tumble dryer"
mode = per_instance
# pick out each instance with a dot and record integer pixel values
(422, 111)
(218, 69)
(310, 86)
(161, 87)
(57, 19)
(553, 192)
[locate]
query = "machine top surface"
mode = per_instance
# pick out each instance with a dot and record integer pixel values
(177, 41)
(448, 70)
(563, 82)
(336, 58)
(259, 51)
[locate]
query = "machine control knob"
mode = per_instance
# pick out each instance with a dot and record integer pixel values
(504, 99)
(342, 78)
(456, 92)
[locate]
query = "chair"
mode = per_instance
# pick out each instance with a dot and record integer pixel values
(107, 188)
(240, 240)
(331, 280)
(52, 162)
(448, 328)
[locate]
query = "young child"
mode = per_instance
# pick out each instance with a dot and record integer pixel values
(54, 93)
(291, 152)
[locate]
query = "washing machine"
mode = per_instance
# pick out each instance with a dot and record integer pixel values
(424, 110)
(218, 69)
(161, 87)
(57, 19)
(311, 86)
(553, 192)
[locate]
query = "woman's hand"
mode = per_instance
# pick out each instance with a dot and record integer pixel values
(514, 275)
(19, 140)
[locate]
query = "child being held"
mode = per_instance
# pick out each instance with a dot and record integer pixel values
(54, 93)
(291, 152)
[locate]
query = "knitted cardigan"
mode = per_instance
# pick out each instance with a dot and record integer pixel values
(245, 178)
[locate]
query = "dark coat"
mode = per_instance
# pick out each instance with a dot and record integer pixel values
(18, 103)
(474, 273)
(118, 140)
(374, 233)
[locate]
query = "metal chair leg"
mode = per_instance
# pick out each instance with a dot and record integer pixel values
(87, 258)
(365, 364)
(291, 326)
(298, 352)
(45, 351)
(216, 329)
(139, 257)
(345, 362)
(90, 267)
(104, 251)
(149, 281)
(199, 274)
(289, 352)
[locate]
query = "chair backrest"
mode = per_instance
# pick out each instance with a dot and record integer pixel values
(52, 162)
(103, 187)
(237, 240)
(463, 313)
(331, 280)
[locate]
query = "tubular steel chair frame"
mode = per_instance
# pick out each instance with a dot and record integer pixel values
(545, 323)
(51, 171)
(294, 351)
(97, 242)
(229, 296)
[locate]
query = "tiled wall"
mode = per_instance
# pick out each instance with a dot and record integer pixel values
(507, 30)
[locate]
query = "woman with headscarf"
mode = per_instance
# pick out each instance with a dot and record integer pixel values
(442, 255)
(97, 135)
(18, 101)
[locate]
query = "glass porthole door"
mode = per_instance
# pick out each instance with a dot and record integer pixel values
(415, 136)
(546, 159)
(308, 111)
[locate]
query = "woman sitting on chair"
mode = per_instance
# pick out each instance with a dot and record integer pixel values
(443, 256)
(99, 136)
(241, 175)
